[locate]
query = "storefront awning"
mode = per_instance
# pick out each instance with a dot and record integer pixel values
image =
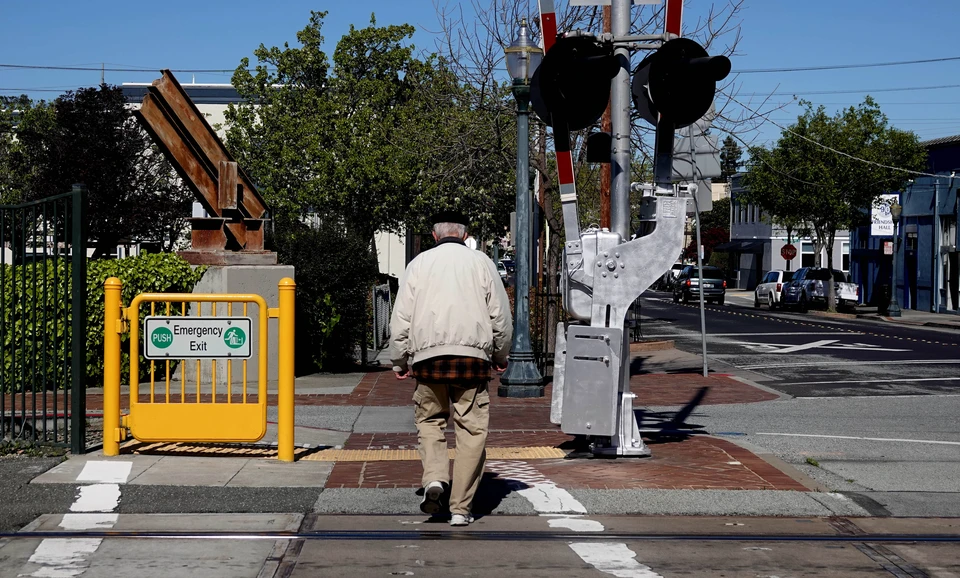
(752, 246)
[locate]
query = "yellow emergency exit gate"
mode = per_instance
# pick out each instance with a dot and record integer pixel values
(182, 416)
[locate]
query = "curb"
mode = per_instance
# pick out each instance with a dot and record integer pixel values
(834, 315)
(913, 323)
(660, 345)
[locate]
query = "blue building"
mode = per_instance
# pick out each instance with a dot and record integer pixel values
(926, 258)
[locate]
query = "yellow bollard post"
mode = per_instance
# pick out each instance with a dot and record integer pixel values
(111, 366)
(285, 387)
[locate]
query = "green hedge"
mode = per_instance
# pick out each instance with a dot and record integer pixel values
(36, 315)
(35, 321)
(146, 273)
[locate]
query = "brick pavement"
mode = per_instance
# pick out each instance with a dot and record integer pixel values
(695, 462)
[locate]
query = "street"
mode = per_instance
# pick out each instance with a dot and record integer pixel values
(868, 408)
(811, 356)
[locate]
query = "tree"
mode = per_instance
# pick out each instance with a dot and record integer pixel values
(824, 171)
(376, 139)
(89, 136)
(714, 230)
(730, 154)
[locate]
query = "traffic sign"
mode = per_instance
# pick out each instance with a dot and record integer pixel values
(788, 252)
(197, 337)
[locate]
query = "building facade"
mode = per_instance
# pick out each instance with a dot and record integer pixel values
(926, 257)
(755, 244)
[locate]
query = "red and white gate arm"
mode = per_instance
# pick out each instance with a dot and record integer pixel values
(673, 18)
(568, 187)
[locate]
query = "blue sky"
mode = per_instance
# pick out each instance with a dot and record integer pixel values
(215, 34)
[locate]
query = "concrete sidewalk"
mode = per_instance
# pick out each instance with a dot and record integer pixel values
(356, 447)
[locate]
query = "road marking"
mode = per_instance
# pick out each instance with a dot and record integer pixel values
(575, 523)
(910, 379)
(908, 441)
(878, 362)
(822, 344)
(67, 557)
(63, 557)
(96, 471)
(694, 334)
(613, 558)
(549, 501)
(97, 498)
(88, 521)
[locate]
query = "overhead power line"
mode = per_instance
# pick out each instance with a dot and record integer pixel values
(831, 149)
(845, 66)
(853, 91)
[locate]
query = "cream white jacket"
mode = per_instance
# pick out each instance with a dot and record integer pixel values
(451, 302)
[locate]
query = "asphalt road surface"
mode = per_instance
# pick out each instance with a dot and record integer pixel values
(811, 356)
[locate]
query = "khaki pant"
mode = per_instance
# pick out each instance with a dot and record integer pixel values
(470, 405)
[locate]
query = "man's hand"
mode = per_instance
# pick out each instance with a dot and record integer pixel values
(402, 375)
(500, 368)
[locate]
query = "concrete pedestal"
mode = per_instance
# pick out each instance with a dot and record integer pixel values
(249, 279)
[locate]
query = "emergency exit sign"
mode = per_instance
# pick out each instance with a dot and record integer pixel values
(197, 337)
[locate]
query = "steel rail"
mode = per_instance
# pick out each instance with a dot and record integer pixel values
(482, 535)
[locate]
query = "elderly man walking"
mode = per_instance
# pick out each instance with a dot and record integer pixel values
(451, 320)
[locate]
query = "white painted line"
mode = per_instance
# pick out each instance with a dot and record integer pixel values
(550, 499)
(911, 379)
(612, 558)
(862, 397)
(104, 472)
(97, 498)
(67, 557)
(880, 362)
(575, 523)
(788, 333)
(908, 441)
(63, 557)
(804, 346)
(88, 521)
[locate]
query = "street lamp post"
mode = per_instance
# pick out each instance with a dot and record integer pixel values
(893, 310)
(522, 379)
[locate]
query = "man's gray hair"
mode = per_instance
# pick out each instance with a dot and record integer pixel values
(442, 230)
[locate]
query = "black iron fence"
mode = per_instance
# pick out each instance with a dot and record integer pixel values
(546, 310)
(42, 328)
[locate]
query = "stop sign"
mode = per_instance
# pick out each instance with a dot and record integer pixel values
(788, 252)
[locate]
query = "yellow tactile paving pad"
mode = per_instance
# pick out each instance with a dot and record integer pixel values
(326, 455)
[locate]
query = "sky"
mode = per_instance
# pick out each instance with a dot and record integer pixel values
(775, 34)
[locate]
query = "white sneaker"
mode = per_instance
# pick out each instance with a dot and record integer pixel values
(431, 498)
(461, 519)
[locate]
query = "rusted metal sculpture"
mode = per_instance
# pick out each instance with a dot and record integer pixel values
(233, 233)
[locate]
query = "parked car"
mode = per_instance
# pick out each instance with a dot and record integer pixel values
(770, 287)
(666, 281)
(687, 285)
(502, 269)
(807, 288)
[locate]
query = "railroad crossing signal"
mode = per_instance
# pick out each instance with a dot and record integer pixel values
(678, 82)
(572, 83)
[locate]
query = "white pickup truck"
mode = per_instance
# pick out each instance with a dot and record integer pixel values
(807, 286)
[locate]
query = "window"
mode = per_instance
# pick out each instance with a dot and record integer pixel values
(845, 256)
(808, 257)
(911, 244)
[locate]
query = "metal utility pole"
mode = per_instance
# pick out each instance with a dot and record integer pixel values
(696, 206)
(605, 126)
(620, 102)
